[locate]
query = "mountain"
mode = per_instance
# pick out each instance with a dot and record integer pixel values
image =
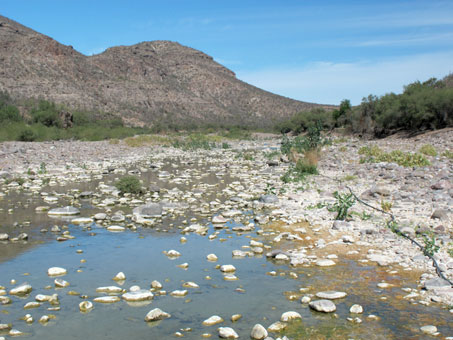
(157, 81)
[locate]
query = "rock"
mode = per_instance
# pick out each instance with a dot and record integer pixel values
(85, 306)
(107, 299)
(436, 283)
(179, 293)
(109, 290)
(356, 309)
(381, 260)
(379, 190)
(5, 327)
(60, 283)
(65, 211)
(269, 199)
(227, 333)
(325, 306)
(331, 295)
(116, 229)
(56, 271)
(213, 320)
(23, 289)
(211, 257)
(289, 316)
(236, 317)
(4, 237)
(429, 329)
(227, 268)
(305, 299)
(119, 277)
(258, 332)
(156, 314)
(173, 253)
(100, 216)
(190, 284)
(384, 285)
(146, 212)
(140, 295)
(82, 220)
(22, 236)
(277, 327)
(30, 305)
(441, 214)
(156, 285)
(325, 263)
(219, 219)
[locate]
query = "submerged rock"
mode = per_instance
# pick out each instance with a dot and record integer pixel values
(56, 271)
(23, 289)
(140, 295)
(331, 295)
(85, 306)
(213, 320)
(289, 316)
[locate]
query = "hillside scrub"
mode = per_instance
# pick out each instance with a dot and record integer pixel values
(422, 106)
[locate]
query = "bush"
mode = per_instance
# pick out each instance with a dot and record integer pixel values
(302, 121)
(129, 184)
(27, 135)
(46, 114)
(406, 159)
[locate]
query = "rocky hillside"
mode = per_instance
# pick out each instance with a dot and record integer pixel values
(148, 82)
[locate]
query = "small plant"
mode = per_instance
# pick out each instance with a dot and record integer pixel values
(299, 171)
(129, 184)
(114, 141)
(393, 226)
(363, 216)
(386, 206)
(225, 145)
(349, 178)
(343, 149)
(430, 244)
(318, 205)
(342, 205)
(248, 157)
(42, 168)
(271, 154)
(450, 249)
(270, 189)
(448, 154)
(428, 150)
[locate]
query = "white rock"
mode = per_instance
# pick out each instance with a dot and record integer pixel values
(305, 299)
(258, 332)
(331, 295)
(288, 316)
(119, 277)
(82, 220)
(140, 295)
(56, 271)
(85, 306)
(227, 333)
(21, 290)
(156, 314)
(190, 284)
(277, 327)
(429, 329)
(60, 283)
(325, 263)
(65, 211)
(173, 253)
(356, 309)
(211, 257)
(213, 320)
(179, 293)
(30, 305)
(325, 306)
(109, 290)
(107, 299)
(227, 268)
(116, 229)
(156, 284)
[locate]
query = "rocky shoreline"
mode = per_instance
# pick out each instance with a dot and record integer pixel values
(420, 198)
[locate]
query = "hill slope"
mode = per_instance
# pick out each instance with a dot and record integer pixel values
(143, 83)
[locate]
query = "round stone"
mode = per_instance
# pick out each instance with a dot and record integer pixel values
(156, 314)
(56, 271)
(325, 263)
(356, 309)
(227, 333)
(213, 320)
(289, 316)
(258, 332)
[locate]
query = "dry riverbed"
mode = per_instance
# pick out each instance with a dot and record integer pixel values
(220, 245)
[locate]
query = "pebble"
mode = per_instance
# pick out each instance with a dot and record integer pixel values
(325, 263)
(212, 257)
(107, 299)
(85, 306)
(119, 277)
(227, 268)
(23, 289)
(429, 329)
(356, 309)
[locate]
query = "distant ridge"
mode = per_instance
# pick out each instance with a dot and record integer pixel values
(157, 81)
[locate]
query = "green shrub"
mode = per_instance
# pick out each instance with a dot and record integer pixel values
(27, 135)
(342, 205)
(447, 154)
(129, 184)
(406, 159)
(46, 113)
(299, 171)
(428, 150)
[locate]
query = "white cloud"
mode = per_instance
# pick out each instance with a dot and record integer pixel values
(329, 82)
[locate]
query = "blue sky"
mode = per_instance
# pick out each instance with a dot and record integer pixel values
(316, 51)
